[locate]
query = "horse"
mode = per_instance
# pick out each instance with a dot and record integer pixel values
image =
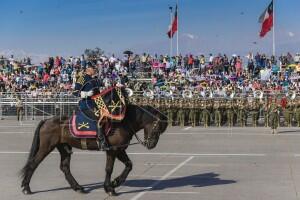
(54, 133)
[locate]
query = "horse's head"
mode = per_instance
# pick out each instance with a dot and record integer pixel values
(154, 124)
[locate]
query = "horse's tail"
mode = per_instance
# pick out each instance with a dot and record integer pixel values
(34, 148)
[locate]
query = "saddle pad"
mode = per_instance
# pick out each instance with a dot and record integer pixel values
(82, 127)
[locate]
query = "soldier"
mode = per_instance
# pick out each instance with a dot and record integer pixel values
(85, 87)
(229, 112)
(242, 112)
(297, 110)
(274, 115)
(180, 113)
(255, 112)
(19, 108)
(170, 108)
(217, 113)
(192, 113)
(266, 107)
(206, 113)
(288, 113)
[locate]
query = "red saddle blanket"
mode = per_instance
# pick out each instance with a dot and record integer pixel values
(81, 126)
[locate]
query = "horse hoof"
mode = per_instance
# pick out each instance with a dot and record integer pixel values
(26, 191)
(115, 183)
(112, 193)
(82, 190)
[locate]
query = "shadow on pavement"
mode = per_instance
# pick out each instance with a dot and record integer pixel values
(199, 180)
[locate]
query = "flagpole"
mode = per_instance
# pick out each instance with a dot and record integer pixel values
(274, 50)
(177, 52)
(171, 38)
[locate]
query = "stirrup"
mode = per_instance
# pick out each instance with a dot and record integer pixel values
(102, 146)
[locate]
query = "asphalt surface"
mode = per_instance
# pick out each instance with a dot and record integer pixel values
(188, 163)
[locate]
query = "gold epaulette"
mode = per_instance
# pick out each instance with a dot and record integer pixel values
(80, 80)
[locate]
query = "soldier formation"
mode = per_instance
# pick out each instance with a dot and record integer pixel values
(227, 112)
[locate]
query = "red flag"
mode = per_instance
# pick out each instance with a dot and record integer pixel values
(173, 28)
(266, 19)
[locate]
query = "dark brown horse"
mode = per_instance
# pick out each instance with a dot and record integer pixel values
(54, 133)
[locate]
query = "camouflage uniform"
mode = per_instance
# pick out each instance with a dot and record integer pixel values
(192, 112)
(206, 114)
(242, 113)
(274, 115)
(288, 113)
(229, 112)
(180, 113)
(255, 112)
(297, 110)
(217, 113)
(170, 115)
(266, 113)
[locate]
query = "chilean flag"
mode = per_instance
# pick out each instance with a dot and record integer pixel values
(266, 19)
(173, 28)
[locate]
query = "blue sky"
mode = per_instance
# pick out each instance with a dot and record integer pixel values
(67, 27)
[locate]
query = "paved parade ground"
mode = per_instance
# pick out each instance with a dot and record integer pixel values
(188, 163)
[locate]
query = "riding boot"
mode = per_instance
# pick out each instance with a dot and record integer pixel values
(101, 140)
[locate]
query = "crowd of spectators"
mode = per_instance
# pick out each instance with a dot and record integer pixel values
(214, 73)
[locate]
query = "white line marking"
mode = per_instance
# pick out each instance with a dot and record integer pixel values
(152, 154)
(22, 132)
(157, 192)
(224, 133)
(187, 128)
(139, 195)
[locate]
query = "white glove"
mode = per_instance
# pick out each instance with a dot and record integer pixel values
(86, 94)
(90, 93)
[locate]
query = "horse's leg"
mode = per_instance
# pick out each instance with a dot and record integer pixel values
(110, 161)
(123, 157)
(31, 167)
(65, 153)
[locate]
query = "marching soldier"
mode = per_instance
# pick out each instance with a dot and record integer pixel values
(255, 112)
(180, 113)
(266, 107)
(242, 112)
(206, 113)
(288, 113)
(274, 115)
(297, 109)
(217, 113)
(229, 112)
(170, 108)
(192, 113)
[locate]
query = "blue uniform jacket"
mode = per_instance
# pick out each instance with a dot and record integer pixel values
(86, 83)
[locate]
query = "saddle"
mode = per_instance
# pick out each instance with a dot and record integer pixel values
(82, 126)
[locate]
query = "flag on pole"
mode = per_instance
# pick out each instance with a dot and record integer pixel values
(173, 27)
(266, 19)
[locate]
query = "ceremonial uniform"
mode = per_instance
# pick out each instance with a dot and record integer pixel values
(85, 87)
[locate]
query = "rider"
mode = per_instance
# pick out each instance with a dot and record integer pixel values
(86, 86)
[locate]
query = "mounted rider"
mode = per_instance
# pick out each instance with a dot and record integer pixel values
(86, 86)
